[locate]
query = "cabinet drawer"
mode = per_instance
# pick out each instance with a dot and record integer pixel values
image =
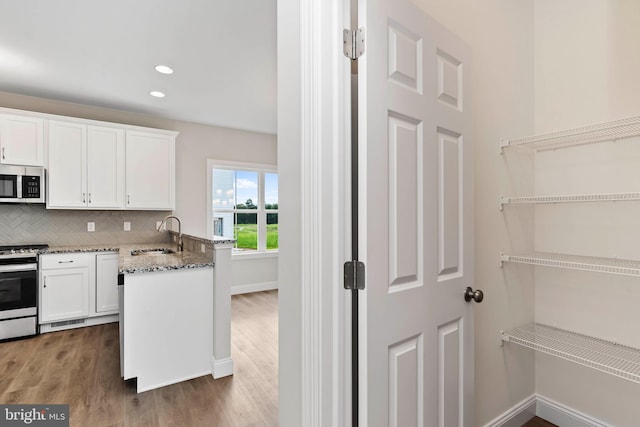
(72, 260)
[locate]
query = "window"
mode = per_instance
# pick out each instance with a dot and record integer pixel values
(244, 206)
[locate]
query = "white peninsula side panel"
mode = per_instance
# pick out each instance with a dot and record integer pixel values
(168, 326)
(222, 363)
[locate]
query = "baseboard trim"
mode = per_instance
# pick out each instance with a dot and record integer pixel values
(564, 416)
(517, 415)
(546, 408)
(221, 368)
(87, 321)
(253, 287)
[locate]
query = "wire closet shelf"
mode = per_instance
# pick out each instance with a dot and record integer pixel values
(570, 198)
(606, 356)
(623, 267)
(608, 131)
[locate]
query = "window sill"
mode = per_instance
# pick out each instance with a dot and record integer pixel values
(242, 256)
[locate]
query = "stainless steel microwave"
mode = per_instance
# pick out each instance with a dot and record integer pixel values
(22, 184)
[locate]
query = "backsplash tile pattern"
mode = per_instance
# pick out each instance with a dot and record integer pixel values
(193, 244)
(24, 224)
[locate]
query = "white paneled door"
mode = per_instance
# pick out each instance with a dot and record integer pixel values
(416, 219)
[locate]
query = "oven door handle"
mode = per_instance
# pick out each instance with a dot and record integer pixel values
(13, 268)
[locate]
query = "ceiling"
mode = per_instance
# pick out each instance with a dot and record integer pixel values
(103, 53)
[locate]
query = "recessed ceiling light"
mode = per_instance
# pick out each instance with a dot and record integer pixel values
(164, 69)
(157, 94)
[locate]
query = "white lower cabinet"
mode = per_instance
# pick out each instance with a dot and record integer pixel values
(107, 283)
(77, 289)
(64, 294)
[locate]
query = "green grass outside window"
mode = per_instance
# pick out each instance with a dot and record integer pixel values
(247, 236)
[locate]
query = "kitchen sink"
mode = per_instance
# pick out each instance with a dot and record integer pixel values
(158, 251)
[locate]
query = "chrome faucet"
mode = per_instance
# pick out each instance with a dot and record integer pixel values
(180, 244)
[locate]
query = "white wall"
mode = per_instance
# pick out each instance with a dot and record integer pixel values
(195, 144)
(570, 63)
(290, 387)
(500, 33)
(587, 64)
(254, 273)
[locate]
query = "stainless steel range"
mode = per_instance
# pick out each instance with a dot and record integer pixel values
(19, 290)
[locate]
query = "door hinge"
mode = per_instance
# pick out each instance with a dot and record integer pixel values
(354, 275)
(353, 43)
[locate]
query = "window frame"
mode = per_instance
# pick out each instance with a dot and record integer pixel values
(261, 212)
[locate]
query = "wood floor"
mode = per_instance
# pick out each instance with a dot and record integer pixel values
(81, 367)
(538, 422)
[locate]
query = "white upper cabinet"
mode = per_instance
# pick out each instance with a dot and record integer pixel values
(150, 170)
(86, 166)
(92, 164)
(95, 167)
(21, 140)
(67, 182)
(105, 167)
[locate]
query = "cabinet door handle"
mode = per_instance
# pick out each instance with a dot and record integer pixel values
(3, 151)
(65, 262)
(89, 197)
(84, 198)
(128, 199)
(44, 280)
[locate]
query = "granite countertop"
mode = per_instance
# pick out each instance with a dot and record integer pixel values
(129, 264)
(222, 240)
(79, 249)
(147, 263)
(217, 240)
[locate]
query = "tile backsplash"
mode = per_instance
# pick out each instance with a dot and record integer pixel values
(194, 244)
(25, 224)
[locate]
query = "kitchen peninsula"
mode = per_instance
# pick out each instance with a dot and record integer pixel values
(174, 310)
(175, 313)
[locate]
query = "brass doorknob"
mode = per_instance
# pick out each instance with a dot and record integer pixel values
(470, 294)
